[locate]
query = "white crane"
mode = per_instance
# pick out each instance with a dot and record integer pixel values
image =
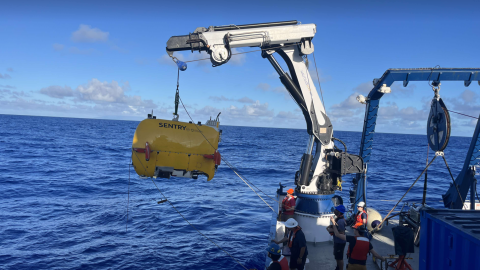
(319, 174)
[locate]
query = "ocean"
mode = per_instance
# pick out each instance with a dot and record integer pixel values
(65, 184)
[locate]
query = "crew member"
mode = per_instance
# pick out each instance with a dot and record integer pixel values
(279, 262)
(361, 216)
(288, 206)
(358, 247)
(338, 244)
(297, 244)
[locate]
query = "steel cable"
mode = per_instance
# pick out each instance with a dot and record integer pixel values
(453, 179)
(405, 194)
(128, 196)
(228, 163)
(226, 252)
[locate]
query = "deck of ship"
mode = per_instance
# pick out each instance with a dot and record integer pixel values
(320, 255)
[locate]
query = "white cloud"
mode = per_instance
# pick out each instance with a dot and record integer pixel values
(58, 47)
(267, 88)
(273, 75)
(86, 33)
(100, 93)
(223, 98)
(75, 50)
(10, 69)
(118, 49)
(397, 88)
(5, 76)
(469, 96)
(313, 73)
(95, 99)
(105, 111)
(466, 103)
(142, 61)
(263, 86)
(349, 114)
(238, 59)
(220, 98)
(8, 86)
(256, 114)
(57, 91)
(289, 115)
(246, 100)
(252, 111)
(279, 89)
(13, 94)
(166, 60)
(364, 88)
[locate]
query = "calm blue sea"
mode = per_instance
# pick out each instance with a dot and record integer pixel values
(64, 185)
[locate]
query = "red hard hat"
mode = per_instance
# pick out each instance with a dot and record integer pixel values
(290, 191)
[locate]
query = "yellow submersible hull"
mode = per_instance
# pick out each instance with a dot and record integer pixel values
(163, 148)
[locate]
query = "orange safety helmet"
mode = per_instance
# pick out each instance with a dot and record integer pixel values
(290, 191)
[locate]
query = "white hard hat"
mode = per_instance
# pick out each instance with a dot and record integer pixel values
(291, 223)
(361, 204)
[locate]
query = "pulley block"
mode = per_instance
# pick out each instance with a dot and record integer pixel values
(438, 125)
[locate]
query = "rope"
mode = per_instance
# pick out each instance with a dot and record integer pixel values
(224, 160)
(463, 114)
(177, 94)
(186, 218)
(266, 49)
(318, 78)
(171, 204)
(476, 191)
(128, 200)
(228, 164)
(453, 179)
(405, 193)
(426, 177)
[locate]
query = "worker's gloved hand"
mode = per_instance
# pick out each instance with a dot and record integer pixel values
(299, 261)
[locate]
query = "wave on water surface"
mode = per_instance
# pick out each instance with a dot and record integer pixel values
(65, 183)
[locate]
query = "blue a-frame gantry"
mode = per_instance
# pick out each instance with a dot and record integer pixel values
(435, 75)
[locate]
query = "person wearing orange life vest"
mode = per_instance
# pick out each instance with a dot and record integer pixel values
(288, 206)
(279, 262)
(361, 216)
(297, 244)
(358, 247)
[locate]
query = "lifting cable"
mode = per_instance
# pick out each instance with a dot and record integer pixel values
(424, 199)
(380, 225)
(244, 179)
(318, 78)
(128, 194)
(265, 49)
(230, 165)
(196, 227)
(171, 204)
(428, 165)
(453, 179)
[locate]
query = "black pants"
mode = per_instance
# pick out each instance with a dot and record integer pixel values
(293, 263)
(338, 249)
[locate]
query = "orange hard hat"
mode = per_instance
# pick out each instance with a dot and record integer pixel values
(290, 191)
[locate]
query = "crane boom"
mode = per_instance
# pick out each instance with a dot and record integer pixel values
(320, 174)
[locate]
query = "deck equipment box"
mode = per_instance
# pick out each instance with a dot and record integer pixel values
(449, 239)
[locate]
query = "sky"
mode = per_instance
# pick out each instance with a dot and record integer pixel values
(107, 60)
